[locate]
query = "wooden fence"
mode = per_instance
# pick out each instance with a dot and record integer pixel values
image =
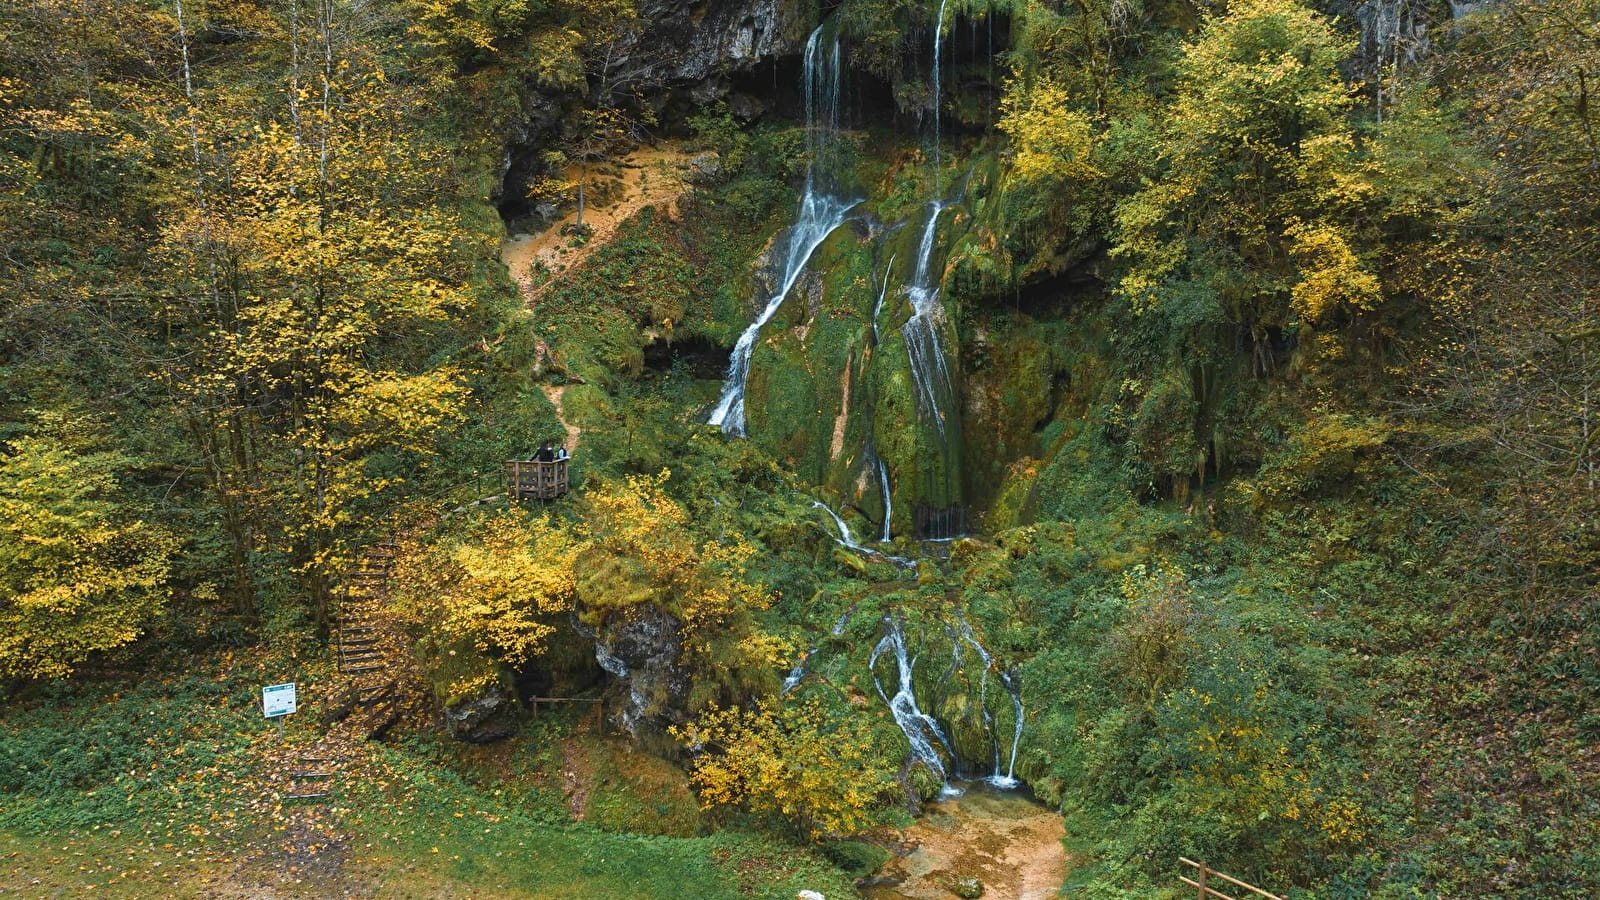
(1203, 880)
(533, 479)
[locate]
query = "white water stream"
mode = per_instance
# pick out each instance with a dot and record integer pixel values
(930, 370)
(920, 728)
(821, 211)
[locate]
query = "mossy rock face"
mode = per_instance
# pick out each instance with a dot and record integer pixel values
(1010, 393)
(1011, 505)
(924, 464)
(807, 400)
(858, 858)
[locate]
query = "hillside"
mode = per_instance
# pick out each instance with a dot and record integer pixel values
(1021, 443)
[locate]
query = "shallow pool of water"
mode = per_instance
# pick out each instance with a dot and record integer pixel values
(1005, 839)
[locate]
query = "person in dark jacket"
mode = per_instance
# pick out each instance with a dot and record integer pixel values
(545, 454)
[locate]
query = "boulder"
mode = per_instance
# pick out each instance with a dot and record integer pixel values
(490, 716)
(641, 651)
(967, 887)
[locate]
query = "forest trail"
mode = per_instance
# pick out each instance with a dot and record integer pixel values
(1008, 842)
(650, 176)
(574, 433)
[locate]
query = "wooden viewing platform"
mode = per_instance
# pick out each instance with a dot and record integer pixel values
(533, 479)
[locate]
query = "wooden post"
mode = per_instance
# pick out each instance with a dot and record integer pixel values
(1202, 880)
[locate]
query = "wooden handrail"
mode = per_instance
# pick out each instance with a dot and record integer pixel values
(1206, 891)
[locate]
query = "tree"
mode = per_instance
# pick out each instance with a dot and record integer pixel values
(78, 573)
(313, 267)
(814, 764)
(497, 588)
(1246, 207)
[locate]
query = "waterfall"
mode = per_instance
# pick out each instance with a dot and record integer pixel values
(1009, 779)
(930, 370)
(938, 41)
(888, 499)
(883, 292)
(847, 539)
(919, 728)
(821, 211)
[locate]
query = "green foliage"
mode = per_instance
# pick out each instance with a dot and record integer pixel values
(94, 757)
(1256, 128)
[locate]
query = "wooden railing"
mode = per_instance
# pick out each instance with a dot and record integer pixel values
(1203, 876)
(533, 479)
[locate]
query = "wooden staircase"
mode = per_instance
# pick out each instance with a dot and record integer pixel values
(312, 778)
(364, 646)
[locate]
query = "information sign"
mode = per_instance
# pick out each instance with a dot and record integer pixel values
(277, 700)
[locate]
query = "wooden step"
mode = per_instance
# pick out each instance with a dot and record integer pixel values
(306, 796)
(371, 667)
(375, 696)
(378, 720)
(310, 775)
(358, 642)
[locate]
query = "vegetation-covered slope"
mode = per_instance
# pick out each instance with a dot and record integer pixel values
(1273, 331)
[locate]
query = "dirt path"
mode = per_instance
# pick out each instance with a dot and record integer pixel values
(574, 433)
(1011, 844)
(650, 176)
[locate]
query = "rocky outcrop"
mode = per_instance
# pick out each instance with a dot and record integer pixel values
(641, 651)
(687, 48)
(695, 45)
(489, 716)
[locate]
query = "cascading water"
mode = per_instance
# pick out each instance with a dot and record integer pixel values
(883, 292)
(919, 728)
(847, 539)
(822, 209)
(938, 512)
(888, 499)
(1009, 779)
(930, 370)
(938, 42)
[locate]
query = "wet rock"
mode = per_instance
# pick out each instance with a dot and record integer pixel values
(488, 717)
(641, 652)
(705, 169)
(746, 108)
(967, 887)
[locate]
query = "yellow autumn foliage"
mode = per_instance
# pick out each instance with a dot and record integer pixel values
(643, 551)
(77, 575)
(801, 760)
(495, 589)
(1052, 141)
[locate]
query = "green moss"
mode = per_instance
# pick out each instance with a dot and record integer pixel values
(857, 858)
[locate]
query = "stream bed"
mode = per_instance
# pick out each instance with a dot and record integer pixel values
(1005, 839)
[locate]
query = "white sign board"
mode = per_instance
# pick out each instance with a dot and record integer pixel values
(277, 700)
